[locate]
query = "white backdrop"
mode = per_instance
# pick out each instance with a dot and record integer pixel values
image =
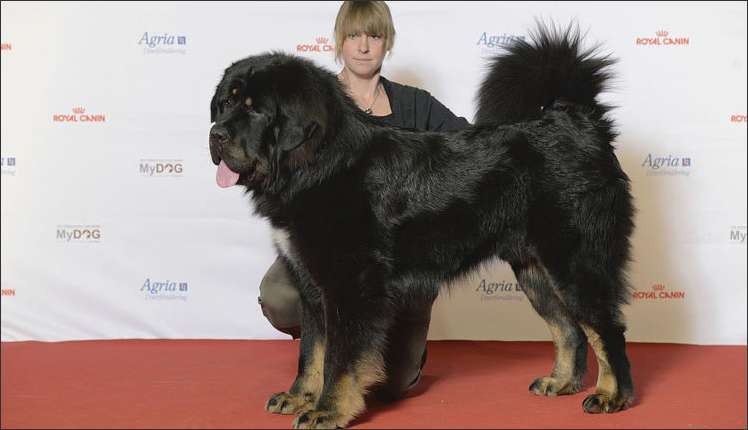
(113, 227)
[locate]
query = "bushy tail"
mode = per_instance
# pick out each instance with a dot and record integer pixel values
(550, 70)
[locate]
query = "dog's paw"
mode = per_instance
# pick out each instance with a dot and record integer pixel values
(317, 420)
(599, 403)
(549, 386)
(286, 403)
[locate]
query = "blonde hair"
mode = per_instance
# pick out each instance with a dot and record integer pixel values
(370, 17)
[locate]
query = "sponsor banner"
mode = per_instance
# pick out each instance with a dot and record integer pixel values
(8, 165)
(658, 292)
(502, 290)
(154, 289)
(78, 114)
(320, 44)
(667, 164)
(163, 43)
(72, 233)
(490, 44)
(737, 234)
(160, 167)
(662, 38)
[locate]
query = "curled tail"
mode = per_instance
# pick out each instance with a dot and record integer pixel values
(548, 71)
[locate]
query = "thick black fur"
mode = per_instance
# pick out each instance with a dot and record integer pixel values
(379, 218)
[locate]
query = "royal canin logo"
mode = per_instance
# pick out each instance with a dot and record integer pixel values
(321, 45)
(662, 37)
(79, 115)
(659, 292)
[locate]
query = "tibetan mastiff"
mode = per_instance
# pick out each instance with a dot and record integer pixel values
(372, 220)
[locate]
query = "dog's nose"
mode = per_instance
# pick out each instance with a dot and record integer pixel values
(219, 135)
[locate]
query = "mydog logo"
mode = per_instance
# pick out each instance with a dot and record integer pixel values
(738, 119)
(163, 43)
(667, 165)
(737, 234)
(321, 44)
(164, 290)
(503, 290)
(8, 165)
(6, 47)
(160, 167)
(79, 115)
(662, 38)
(79, 233)
(491, 44)
(659, 292)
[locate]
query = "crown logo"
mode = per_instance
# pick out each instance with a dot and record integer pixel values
(662, 33)
(322, 40)
(79, 110)
(658, 287)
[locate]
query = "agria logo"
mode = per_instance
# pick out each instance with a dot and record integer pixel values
(667, 165)
(67, 233)
(502, 290)
(494, 43)
(164, 290)
(163, 43)
(8, 165)
(161, 167)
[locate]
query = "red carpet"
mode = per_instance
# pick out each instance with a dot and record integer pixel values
(224, 384)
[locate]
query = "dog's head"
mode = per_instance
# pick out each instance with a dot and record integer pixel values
(270, 117)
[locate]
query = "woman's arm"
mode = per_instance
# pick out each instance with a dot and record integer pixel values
(437, 117)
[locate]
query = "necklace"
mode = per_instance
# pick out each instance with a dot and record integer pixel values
(369, 110)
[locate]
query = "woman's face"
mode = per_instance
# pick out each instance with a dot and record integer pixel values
(363, 54)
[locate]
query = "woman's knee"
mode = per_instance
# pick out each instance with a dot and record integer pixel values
(279, 299)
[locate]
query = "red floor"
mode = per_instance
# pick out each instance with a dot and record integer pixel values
(224, 384)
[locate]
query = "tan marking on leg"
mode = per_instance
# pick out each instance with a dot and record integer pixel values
(352, 387)
(562, 379)
(311, 386)
(308, 390)
(563, 367)
(606, 380)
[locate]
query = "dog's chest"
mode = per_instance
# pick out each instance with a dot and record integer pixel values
(282, 241)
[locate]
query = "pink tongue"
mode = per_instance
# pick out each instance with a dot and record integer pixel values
(225, 177)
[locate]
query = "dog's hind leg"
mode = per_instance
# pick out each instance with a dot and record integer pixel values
(615, 390)
(307, 386)
(596, 309)
(569, 340)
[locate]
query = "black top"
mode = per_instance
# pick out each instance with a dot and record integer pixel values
(414, 108)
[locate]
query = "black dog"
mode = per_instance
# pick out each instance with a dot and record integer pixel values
(372, 219)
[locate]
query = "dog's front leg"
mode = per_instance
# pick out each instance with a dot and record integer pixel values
(355, 336)
(307, 386)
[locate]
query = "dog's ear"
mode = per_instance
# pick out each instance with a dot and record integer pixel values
(214, 107)
(293, 132)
